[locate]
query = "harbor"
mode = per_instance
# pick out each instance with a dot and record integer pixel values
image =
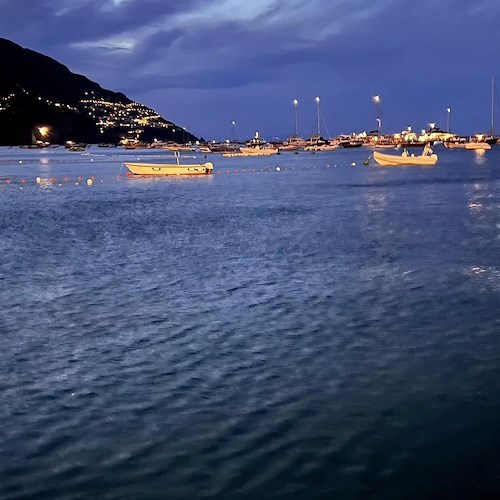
(249, 251)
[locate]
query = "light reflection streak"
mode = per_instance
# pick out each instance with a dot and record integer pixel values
(479, 156)
(485, 276)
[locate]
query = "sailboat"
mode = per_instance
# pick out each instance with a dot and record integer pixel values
(491, 139)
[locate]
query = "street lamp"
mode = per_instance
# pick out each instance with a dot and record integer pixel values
(233, 123)
(448, 111)
(376, 100)
(296, 104)
(317, 112)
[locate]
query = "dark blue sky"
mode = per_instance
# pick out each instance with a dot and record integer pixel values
(205, 63)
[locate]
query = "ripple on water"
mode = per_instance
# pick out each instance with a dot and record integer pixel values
(314, 333)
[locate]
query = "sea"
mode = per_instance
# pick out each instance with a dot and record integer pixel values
(299, 326)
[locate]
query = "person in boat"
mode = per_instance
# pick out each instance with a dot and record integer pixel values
(427, 150)
(405, 154)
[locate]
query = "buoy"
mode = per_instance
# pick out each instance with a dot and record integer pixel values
(353, 164)
(89, 182)
(278, 168)
(38, 180)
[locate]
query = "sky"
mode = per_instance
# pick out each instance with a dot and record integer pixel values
(204, 64)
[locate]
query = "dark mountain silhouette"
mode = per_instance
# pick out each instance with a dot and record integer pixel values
(41, 99)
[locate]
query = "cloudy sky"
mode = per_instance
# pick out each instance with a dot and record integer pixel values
(205, 63)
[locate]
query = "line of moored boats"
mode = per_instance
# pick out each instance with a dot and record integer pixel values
(316, 143)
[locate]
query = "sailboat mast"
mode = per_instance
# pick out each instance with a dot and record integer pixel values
(492, 105)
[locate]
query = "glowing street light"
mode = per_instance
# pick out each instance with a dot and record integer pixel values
(376, 100)
(317, 112)
(233, 123)
(296, 104)
(448, 111)
(44, 131)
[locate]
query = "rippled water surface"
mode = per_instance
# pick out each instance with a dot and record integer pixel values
(321, 331)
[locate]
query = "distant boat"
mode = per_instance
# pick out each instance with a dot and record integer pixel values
(490, 138)
(223, 147)
(178, 147)
(134, 144)
(332, 146)
(293, 143)
(404, 159)
(162, 169)
(477, 145)
(454, 144)
(349, 142)
(412, 144)
(475, 142)
(258, 150)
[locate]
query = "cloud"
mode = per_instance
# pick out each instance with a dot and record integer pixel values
(344, 50)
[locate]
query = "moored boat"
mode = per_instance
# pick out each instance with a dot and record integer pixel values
(223, 147)
(331, 146)
(389, 160)
(162, 169)
(477, 145)
(258, 150)
(349, 142)
(454, 144)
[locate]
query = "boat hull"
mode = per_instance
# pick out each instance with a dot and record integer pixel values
(258, 151)
(396, 161)
(162, 169)
(477, 145)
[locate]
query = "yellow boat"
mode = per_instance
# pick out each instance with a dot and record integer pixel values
(404, 159)
(156, 169)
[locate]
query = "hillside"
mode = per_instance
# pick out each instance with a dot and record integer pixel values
(41, 99)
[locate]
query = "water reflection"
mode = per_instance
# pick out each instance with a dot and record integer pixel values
(479, 156)
(477, 194)
(485, 276)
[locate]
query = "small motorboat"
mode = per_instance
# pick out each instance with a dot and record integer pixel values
(388, 160)
(156, 169)
(477, 145)
(258, 150)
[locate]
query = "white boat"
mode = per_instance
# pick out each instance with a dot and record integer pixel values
(258, 150)
(454, 144)
(477, 145)
(332, 146)
(387, 160)
(161, 169)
